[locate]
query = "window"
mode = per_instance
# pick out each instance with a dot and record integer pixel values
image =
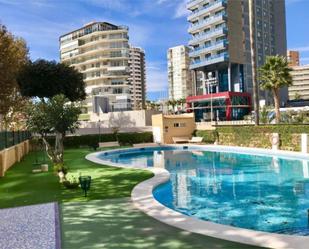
(178, 125)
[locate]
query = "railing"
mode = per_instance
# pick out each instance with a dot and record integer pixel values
(204, 124)
(209, 47)
(207, 21)
(220, 30)
(207, 7)
(223, 56)
(11, 138)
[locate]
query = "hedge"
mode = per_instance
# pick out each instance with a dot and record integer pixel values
(134, 138)
(209, 136)
(91, 140)
(257, 136)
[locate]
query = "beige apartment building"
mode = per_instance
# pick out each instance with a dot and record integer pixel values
(100, 51)
(300, 87)
(293, 58)
(137, 79)
(179, 75)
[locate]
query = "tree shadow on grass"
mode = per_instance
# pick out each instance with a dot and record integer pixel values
(116, 224)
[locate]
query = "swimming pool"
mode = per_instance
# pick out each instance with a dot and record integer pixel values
(253, 191)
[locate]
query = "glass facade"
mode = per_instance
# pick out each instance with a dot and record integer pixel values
(226, 106)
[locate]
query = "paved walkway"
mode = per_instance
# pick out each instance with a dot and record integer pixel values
(116, 224)
(30, 227)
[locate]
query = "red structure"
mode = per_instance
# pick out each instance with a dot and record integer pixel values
(226, 105)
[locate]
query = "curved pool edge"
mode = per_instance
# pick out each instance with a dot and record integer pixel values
(143, 199)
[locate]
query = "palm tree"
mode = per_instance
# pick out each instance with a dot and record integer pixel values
(182, 102)
(274, 74)
(172, 103)
(253, 61)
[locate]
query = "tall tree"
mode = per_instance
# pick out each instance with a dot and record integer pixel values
(274, 74)
(13, 55)
(253, 61)
(45, 79)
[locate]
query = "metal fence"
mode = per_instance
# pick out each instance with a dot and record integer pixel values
(10, 138)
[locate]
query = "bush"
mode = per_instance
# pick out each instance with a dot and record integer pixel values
(134, 138)
(84, 140)
(259, 136)
(93, 140)
(208, 136)
(71, 183)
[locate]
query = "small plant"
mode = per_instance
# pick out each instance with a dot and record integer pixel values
(71, 183)
(59, 167)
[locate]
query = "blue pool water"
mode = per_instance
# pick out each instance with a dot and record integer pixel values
(265, 193)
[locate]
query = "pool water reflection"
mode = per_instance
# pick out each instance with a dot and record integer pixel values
(265, 193)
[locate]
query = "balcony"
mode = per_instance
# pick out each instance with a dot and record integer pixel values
(206, 9)
(192, 3)
(208, 61)
(208, 48)
(207, 35)
(203, 24)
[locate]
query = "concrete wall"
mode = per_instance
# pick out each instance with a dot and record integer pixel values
(139, 118)
(11, 155)
(166, 125)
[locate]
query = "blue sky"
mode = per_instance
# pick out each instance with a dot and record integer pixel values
(155, 25)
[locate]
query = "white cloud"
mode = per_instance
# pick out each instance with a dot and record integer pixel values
(181, 9)
(139, 34)
(302, 49)
(156, 77)
(161, 1)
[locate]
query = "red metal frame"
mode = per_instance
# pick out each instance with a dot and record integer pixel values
(226, 95)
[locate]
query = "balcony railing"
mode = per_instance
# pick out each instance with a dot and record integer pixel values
(208, 34)
(191, 3)
(217, 45)
(209, 7)
(210, 60)
(207, 21)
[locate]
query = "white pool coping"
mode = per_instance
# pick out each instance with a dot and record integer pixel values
(144, 200)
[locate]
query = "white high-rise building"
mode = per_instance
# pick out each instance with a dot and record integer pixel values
(179, 75)
(300, 87)
(137, 78)
(100, 51)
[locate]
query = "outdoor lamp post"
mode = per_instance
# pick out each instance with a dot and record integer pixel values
(99, 123)
(211, 82)
(85, 182)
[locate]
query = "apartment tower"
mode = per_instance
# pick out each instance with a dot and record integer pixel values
(100, 51)
(179, 75)
(137, 79)
(293, 58)
(220, 42)
(300, 87)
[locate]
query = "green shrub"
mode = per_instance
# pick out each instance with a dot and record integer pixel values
(93, 140)
(259, 136)
(208, 135)
(84, 140)
(134, 138)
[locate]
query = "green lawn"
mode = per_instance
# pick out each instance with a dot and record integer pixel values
(116, 224)
(106, 221)
(22, 187)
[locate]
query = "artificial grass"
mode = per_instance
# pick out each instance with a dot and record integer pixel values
(21, 187)
(116, 224)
